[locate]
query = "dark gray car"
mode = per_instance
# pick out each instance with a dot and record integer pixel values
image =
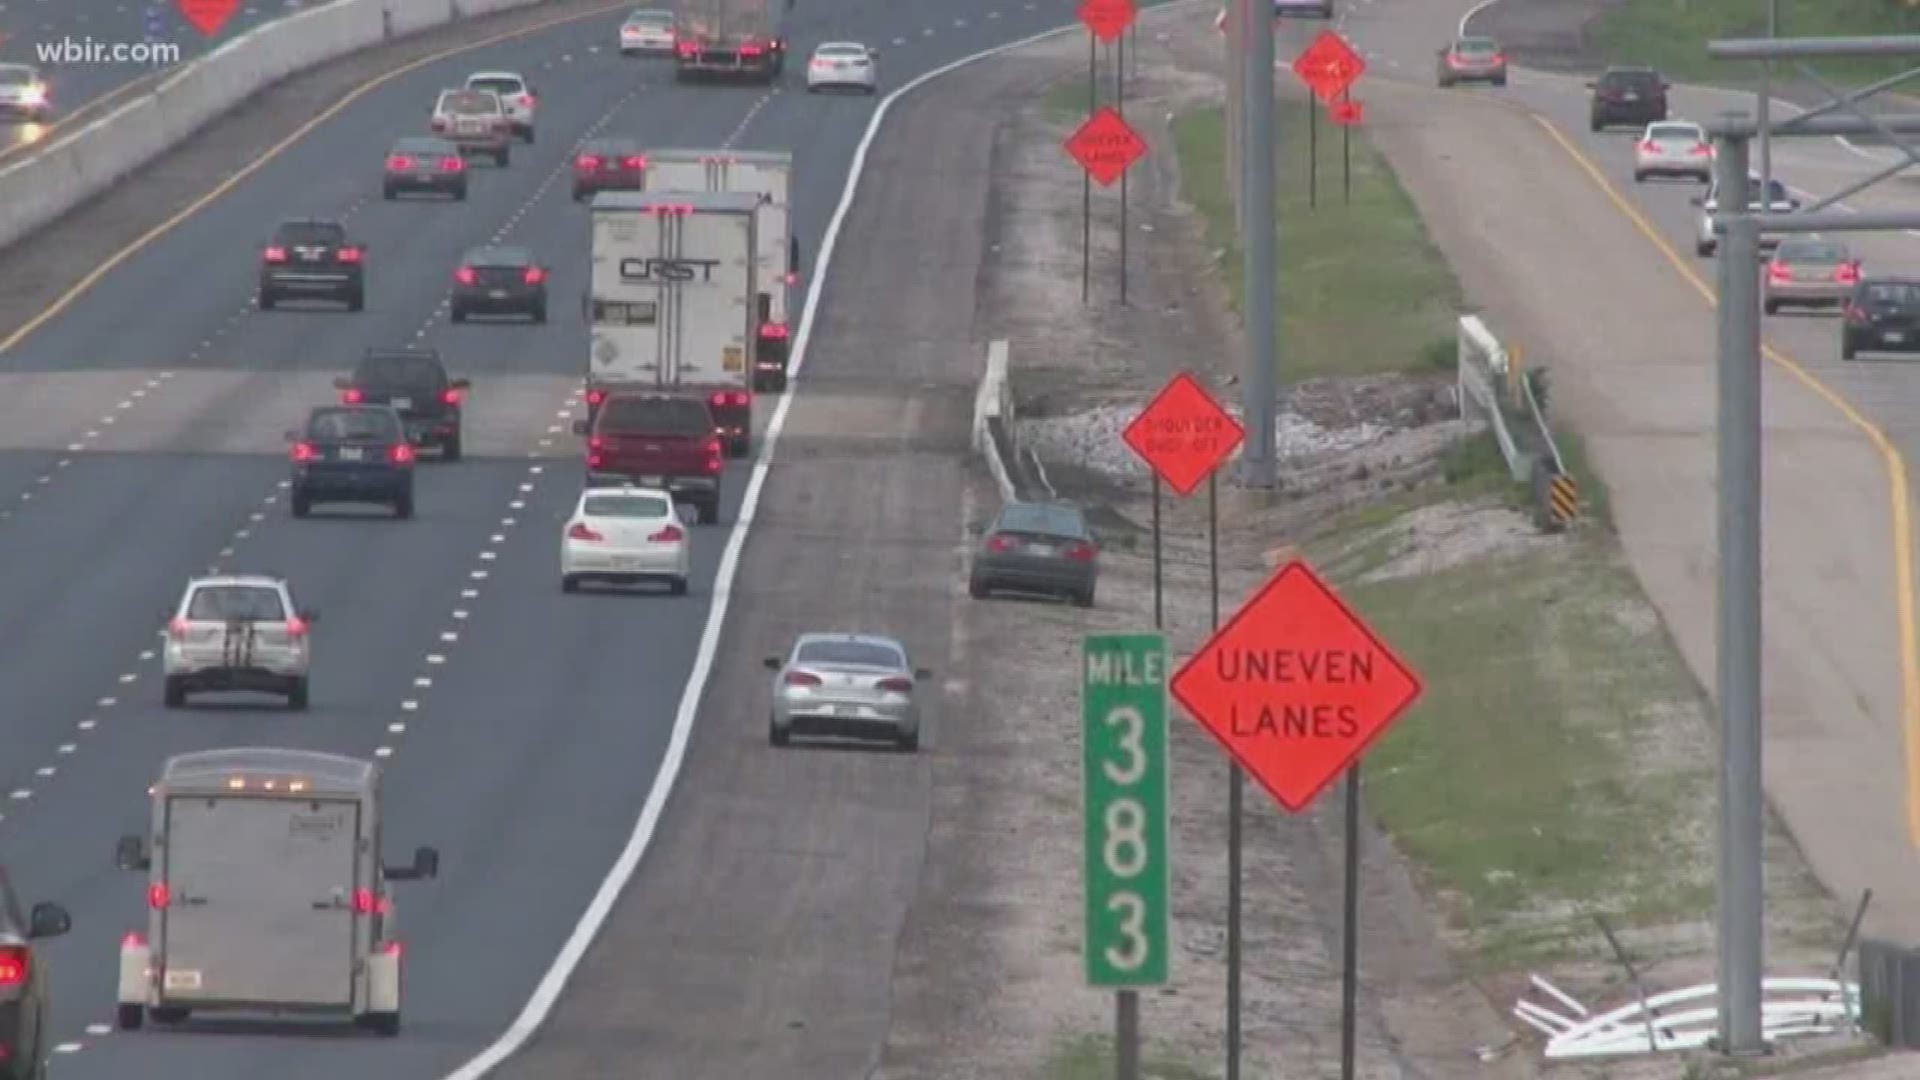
(24, 1027)
(1043, 548)
(499, 281)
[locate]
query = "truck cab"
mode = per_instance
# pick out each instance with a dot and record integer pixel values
(266, 893)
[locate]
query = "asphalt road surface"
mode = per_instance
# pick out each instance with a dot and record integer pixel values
(522, 727)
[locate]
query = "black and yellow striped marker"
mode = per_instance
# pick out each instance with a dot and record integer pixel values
(1563, 496)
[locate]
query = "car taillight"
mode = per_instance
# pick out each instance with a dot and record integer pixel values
(535, 275)
(636, 162)
(596, 444)
(713, 447)
(529, 100)
(595, 397)
(821, 65)
(352, 395)
(793, 277)
(177, 629)
(588, 161)
(582, 531)
(801, 678)
(750, 50)
(999, 543)
(1498, 58)
(774, 330)
(1847, 273)
(134, 938)
(1081, 551)
(304, 452)
(730, 398)
(465, 275)
(276, 254)
(1779, 272)
(687, 48)
(349, 254)
(15, 966)
(452, 164)
(1702, 150)
(159, 896)
(1648, 146)
(895, 685)
(450, 396)
(399, 163)
(363, 902)
(401, 454)
(672, 534)
(296, 627)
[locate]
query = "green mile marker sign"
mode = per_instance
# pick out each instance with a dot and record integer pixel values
(1123, 696)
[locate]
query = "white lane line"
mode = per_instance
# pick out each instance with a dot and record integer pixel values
(436, 658)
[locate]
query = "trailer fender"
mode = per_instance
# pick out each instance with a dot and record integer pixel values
(136, 971)
(383, 980)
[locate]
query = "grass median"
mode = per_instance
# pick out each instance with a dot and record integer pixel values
(1673, 36)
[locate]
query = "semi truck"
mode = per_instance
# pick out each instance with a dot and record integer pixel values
(265, 892)
(739, 38)
(673, 301)
(767, 174)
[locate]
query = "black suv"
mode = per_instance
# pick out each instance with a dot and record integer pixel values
(25, 1037)
(1882, 315)
(415, 383)
(1628, 95)
(352, 454)
(312, 259)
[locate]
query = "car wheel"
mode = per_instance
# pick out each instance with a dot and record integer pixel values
(1771, 307)
(457, 314)
(297, 696)
(301, 505)
(1083, 598)
(1595, 125)
(908, 741)
(403, 507)
(387, 192)
(708, 512)
(357, 300)
(1639, 177)
(540, 313)
(129, 1017)
(677, 587)
(267, 299)
(1846, 348)
(527, 135)
(450, 450)
(579, 193)
(569, 583)
(502, 157)
(460, 193)
(175, 694)
(1501, 81)
(1703, 248)
(776, 734)
(385, 1025)
(978, 588)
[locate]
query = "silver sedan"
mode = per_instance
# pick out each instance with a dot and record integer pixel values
(843, 64)
(1810, 271)
(852, 686)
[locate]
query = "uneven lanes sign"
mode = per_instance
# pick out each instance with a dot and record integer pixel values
(1108, 19)
(1296, 686)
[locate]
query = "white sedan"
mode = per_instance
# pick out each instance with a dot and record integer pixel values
(624, 536)
(1673, 148)
(843, 64)
(647, 32)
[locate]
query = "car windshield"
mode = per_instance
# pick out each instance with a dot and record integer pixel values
(843, 52)
(307, 233)
(1674, 133)
(422, 147)
(855, 653)
(398, 371)
(352, 425)
(612, 148)
(627, 506)
(1903, 293)
(1813, 251)
(236, 603)
(1776, 191)
(499, 84)
(657, 416)
(1630, 80)
(1046, 520)
(470, 102)
(499, 256)
(15, 76)
(1476, 47)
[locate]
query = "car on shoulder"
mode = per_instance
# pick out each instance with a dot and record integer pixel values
(422, 163)
(24, 94)
(625, 536)
(608, 164)
(1472, 59)
(415, 382)
(476, 122)
(1043, 548)
(849, 686)
(1882, 316)
(26, 1037)
(1809, 272)
(1673, 148)
(1779, 201)
(1627, 95)
(499, 280)
(237, 633)
(313, 259)
(518, 99)
(844, 65)
(647, 32)
(352, 454)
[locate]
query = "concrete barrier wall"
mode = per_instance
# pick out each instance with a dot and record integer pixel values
(79, 165)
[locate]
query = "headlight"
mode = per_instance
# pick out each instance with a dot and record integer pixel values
(34, 95)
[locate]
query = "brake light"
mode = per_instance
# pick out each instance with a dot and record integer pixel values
(177, 629)
(801, 678)
(1081, 551)
(529, 100)
(793, 277)
(465, 275)
(734, 398)
(895, 685)
(595, 397)
(1648, 146)
(15, 965)
(450, 396)
(635, 162)
(750, 50)
(774, 330)
(687, 48)
(535, 275)
(452, 164)
(1702, 150)
(596, 444)
(713, 447)
(820, 64)
(296, 627)
(352, 395)
(1000, 543)
(276, 254)
(401, 454)
(349, 254)
(303, 451)
(399, 163)
(588, 161)
(159, 896)
(1847, 273)
(134, 938)
(582, 531)
(672, 534)
(1499, 58)
(1779, 273)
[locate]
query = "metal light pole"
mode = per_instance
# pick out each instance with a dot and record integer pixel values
(1764, 108)
(1259, 236)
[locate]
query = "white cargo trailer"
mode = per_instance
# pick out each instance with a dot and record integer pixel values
(266, 892)
(672, 301)
(767, 174)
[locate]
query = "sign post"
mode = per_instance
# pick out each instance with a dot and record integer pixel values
(1329, 67)
(1123, 717)
(1296, 687)
(1106, 20)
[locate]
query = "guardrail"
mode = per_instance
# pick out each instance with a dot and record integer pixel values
(1492, 384)
(993, 419)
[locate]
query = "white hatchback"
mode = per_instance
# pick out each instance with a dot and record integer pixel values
(625, 536)
(518, 99)
(846, 64)
(237, 632)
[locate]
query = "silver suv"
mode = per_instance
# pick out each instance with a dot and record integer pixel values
(1779, 201)
(237, 632)
(476, 122)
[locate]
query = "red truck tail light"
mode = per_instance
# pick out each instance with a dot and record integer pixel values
(465, 275)
(751, 49)
(350, 254)
(594, 461)
(672, 534)
(399, 163)
(716, 457)
(451, 396)
(159, 896)
(774, 330)
(15, 966)
(401, 454)
(895, 685)
(582, 531)
(801, 678)
(304, 451)
(1779, 273)
(452, 164)
(276, 254)
(352, 395)
(535, 275)
(1847, 273)
(1081, 551)
(587, 162)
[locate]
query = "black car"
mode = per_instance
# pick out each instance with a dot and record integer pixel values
(352, 454)
(1043, 548)
(1628, 95)
(1882, 315)
(312, 259)
(424, 164)
(608, 165)
(25, 1037)
(415, 383)
(499, 281)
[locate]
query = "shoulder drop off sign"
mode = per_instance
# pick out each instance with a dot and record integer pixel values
(1296, 686)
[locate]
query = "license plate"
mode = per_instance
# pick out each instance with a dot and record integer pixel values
(180, 979)
(423, 176)
(350, 453)
(402, 403)
(1631, 96)
(1040, 549)
(497, 294)
(1894, 336)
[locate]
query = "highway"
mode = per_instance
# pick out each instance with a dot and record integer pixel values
(522, 728)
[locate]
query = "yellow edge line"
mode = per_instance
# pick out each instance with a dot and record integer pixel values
(112, 262)
(1896, 475)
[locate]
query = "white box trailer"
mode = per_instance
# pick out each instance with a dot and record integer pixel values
(671, 301)
(767, 174)
(266, 893)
